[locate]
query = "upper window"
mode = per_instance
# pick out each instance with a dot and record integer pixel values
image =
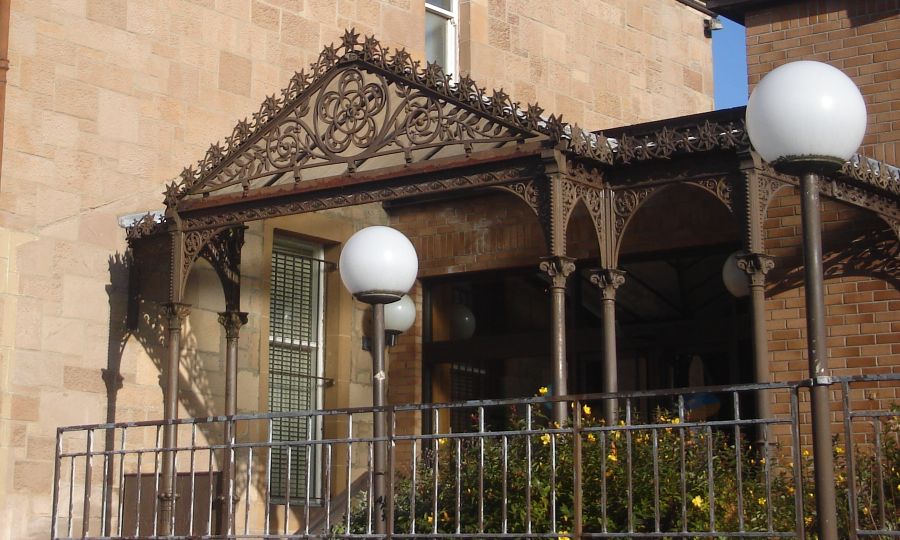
(440, 33)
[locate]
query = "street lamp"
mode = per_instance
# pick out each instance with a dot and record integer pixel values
(399, 317)
(808, 118)
(378, 266)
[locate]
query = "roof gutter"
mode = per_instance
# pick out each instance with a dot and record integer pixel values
(695, 4)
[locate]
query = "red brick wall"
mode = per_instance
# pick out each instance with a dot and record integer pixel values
(860, 37)
(862, 305)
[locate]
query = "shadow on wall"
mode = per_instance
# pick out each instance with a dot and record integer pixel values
(136, 294)
(873, 254)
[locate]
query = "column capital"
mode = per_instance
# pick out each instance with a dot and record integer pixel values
(176, 312)
(756, 266)
(608, 280)
(558, 268)
(232, 321)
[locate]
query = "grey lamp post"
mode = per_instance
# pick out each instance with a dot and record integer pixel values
(808, 118)
(378, 266)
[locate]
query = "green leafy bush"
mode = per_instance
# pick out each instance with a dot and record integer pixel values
(692, 484)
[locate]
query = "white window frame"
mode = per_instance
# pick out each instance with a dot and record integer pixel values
(451, 61)
(314, 252)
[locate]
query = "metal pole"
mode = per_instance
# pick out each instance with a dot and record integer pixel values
(610, 360)
(760, 352)
(560, 372)
(608, 280)
(379, 400)
(232, 321)
(558, 269)
(818, 356)
(756, 266)
(175, 314)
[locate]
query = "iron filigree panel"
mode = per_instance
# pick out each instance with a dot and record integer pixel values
(356, 102)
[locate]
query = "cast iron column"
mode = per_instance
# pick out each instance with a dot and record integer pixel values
(818, 355)
(175, 313)
(558, 269)
(608, 280)
(232, 321)
(756, 266)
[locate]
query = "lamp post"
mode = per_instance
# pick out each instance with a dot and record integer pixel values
(808, 118)
(378, 266)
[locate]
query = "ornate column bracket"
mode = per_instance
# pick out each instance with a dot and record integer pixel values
(608, 280)
(223, 251)
(232, 321)
(625, 203)
(720, 188)
(756, 266)
(175, 313)
(558, 268)
(526, 191)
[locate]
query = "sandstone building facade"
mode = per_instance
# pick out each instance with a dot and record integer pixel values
(107, 101)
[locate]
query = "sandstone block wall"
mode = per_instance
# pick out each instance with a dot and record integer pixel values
(107, 100)
(603, 63)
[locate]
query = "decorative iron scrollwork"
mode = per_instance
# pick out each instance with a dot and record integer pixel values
(326, 113)
(351, 196)
(721, 188)
(626, 203)
(149, 225)
(527, 192)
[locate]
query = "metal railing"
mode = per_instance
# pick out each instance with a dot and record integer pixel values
(692, 463)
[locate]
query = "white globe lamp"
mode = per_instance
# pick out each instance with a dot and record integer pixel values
(378, 265)
(736, 280)
(399, 316)
(806, 114)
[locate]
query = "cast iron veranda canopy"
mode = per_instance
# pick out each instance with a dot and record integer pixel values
(366, 124)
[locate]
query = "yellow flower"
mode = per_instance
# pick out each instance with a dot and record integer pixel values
(442, 441)
(762, 461)
(586, 409)
(898, 487)
(697, 501)
(545, 438)
(805, 452)
(808, 521)
(612, 457)
(561, 531)
(791, 490)
(839, 450)
(761, 501)
(676, 420)
(429, 519)
(542, 391)
(866, 510)
(592, 438)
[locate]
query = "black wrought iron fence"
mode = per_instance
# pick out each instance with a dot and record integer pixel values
(691, 463)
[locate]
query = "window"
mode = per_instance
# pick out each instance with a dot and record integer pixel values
(440, 33)
(295, 364)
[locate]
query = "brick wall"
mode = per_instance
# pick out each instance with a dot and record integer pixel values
(860, 37)
(862, 302)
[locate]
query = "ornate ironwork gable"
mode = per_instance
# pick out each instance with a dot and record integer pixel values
(359, 107)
